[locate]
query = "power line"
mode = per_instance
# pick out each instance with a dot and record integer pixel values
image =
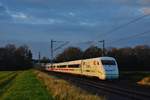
(56, 48)
(84, 42)
(62, 45)
(124, 25)
(130, 37)
(103, 49)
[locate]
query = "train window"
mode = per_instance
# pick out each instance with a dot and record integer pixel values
(108, 62)
(97, 63)
(73, 66)
(61, 66)
(83, 63)
(94, 62)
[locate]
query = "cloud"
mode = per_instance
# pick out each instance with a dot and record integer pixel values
(83, 23)
(24, 19)
(71, 14)
(54, 21)
(145, 10)
(19, 15)
(4, 16)
(42, 21)
(70, 18)
(2, 8)
(145, 1)
(8, 15)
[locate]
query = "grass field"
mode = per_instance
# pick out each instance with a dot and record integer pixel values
(6, 80)
(4, 74)
(36, 85)
(23, 86)
(63, 90)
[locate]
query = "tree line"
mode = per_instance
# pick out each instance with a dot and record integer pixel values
(128, 58)
(15, 58)
(134, 59)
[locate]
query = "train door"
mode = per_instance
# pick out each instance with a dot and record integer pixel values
(100, 70)
(94, 64)
(82, 66)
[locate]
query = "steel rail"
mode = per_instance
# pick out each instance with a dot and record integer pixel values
(108, 88)
(134, 95)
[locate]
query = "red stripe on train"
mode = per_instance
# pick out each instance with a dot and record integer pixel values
(66, 69)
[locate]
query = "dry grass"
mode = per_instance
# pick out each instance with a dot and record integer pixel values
(63, 90)
(145, 81)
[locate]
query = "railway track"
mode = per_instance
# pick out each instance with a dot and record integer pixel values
(128, 93)
(99, 87)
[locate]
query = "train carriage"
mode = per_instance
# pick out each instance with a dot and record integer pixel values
(101, 67)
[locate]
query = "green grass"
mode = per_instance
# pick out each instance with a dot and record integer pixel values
(35, 85)
(4, 74)
(26, 87)
(6, 81)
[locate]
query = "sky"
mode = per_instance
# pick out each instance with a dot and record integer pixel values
(36, 22)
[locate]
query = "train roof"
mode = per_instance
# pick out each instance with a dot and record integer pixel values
(79, 61)
(107, 58)
(103, 58)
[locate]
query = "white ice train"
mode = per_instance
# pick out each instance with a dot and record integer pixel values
(101, 67)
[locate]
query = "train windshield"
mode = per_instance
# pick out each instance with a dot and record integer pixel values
(108, 62)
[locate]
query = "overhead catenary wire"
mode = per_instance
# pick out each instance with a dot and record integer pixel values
(62, 45)
(123, 25)
(83, 42)
(91, 43)
(129, 37)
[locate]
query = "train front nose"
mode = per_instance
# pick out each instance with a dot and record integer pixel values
(112, 76)
(111, 68)
(111, 72)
